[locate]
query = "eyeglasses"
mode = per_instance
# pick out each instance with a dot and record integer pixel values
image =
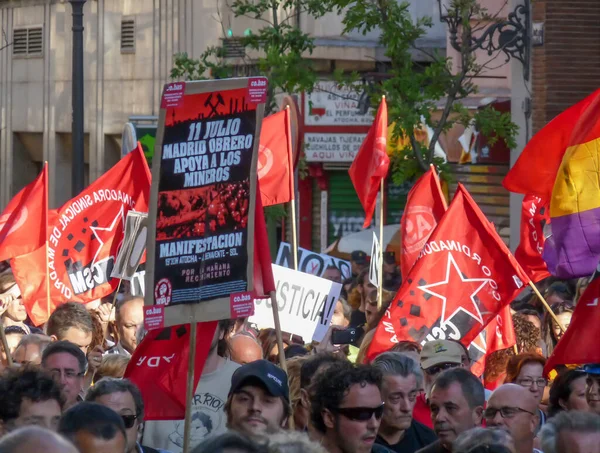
(361, 414)
(432, 371)
(129, 420)
(528, 382)
(69, 374)
(505, 412)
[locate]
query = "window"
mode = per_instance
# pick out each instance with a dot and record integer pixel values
(28, 41)
(127, 36)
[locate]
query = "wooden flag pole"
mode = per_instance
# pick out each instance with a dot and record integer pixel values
(516, 349)
(189, 396)
(293, 190)
(380, 257)
(279, 336)
(294, 234)
(546, 306)
(48, 301)
(9, 359)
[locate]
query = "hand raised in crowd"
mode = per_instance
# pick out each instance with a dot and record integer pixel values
(326, 344)
(95, 358)
(106, 312)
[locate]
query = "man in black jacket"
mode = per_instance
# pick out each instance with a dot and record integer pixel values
(346, 408)
(456, 401)
(123, 397)
(402, 382)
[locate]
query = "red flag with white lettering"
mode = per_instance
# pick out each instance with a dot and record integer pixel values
(535, 215)
(159, 368)
(371, 164)
(23, 222)
(464, 277)
(498, 334)
(425, 206)
(84, 240)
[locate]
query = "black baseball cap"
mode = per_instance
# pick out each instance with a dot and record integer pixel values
(359, 257)
(272, 377)
(389, 257)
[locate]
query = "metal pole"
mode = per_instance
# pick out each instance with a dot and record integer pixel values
(77, 98)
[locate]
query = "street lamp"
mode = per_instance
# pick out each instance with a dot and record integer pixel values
(512, 35)
(78, 164)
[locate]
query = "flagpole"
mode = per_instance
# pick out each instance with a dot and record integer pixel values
(380, 257)
(48, 302)
(9, 359)
(439, 185)
(546, 306)
(279, 336)
(190, 388)
(292, 190)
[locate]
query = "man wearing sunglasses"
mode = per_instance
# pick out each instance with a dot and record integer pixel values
(346, 408)
(436, 357)
(514, 409)
(123, 397)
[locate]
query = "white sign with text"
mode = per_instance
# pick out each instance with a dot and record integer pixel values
(311, 262)
(332, 105)
(332, 147)
(305, 302)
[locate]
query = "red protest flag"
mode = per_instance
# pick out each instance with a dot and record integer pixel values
(23, 222)
(464, 277)
(579, 344)
(498, 334)
(84, 240)
(371, 163)
(425, 206)
(264, 282)
(159, 368)
(535, 215)
(275, 166)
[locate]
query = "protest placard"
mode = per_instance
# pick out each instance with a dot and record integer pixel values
(311, 262)
(133, 247)
(374, 266)
(201, 221)
(305, 302)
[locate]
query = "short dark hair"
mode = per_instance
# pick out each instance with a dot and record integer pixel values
(26, 383)
(333, 385)
(561, 389)
(314, 362)
(470, 385)
(230, 441)
(109, 385)
(100, 421)
(67, 347)
(71, 314)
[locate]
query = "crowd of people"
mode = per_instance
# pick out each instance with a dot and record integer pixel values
(62, 387)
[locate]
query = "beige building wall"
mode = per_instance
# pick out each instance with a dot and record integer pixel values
(35, 90)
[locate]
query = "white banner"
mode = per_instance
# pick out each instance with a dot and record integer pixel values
(306, 304)
(311, 262)
(374, 265)
(133, 246)
(332, 147)
(332, 105)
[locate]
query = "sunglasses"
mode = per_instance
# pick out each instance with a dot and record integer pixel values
(361, 414)
(129, 420)
(432, 371)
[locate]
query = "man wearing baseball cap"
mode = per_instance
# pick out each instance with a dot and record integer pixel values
(258, 401)
(436, 357)
(592, 389)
